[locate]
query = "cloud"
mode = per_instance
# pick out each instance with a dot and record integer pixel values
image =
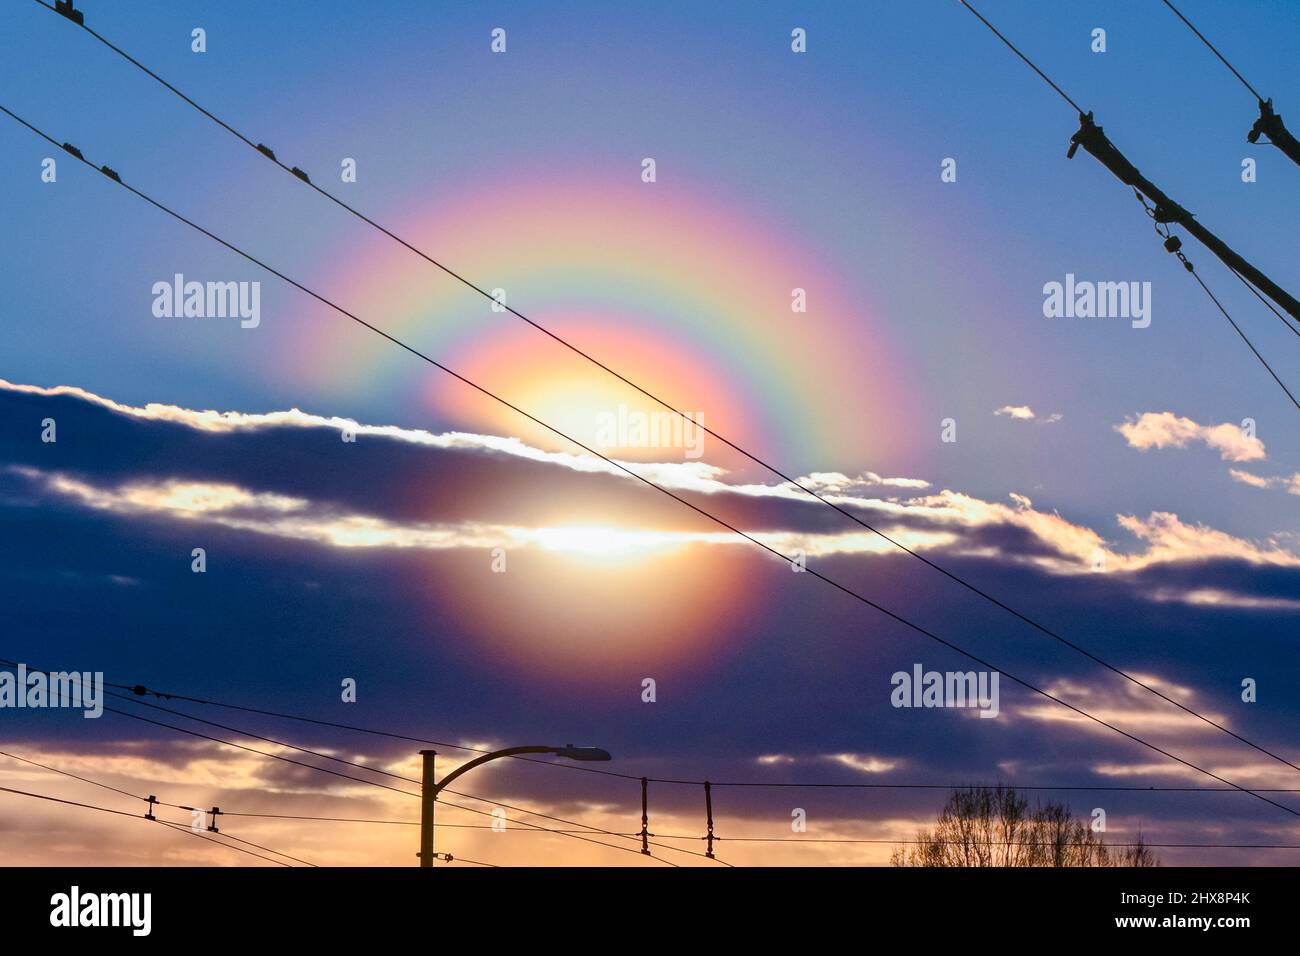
(863, 763)
(1169, 539)
(836, 482)
(1026, 414)
(1217, 597)
(287, 475)
(1246, 478)
(240, 509)
(1021, 412)
(1167, 430)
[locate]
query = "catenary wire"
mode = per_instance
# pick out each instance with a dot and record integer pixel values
(624, 468)
(268, 154)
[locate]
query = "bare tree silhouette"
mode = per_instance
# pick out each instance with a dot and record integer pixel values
(996, 826)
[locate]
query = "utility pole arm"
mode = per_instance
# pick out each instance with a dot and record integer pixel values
(470, 765)
(1091, 137)
(1271, 125)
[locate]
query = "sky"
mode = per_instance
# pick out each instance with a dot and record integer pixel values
(1133, 489)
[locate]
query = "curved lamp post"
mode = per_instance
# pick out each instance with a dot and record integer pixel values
(430, 789)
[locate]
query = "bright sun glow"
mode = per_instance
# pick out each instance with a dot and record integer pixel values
(603, 541)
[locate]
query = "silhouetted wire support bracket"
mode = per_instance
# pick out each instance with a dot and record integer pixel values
(139, 689)
(64, 7)
(1161, 222)
(1094, 140)
(1270, 124)
(153, 803)
(708, 815)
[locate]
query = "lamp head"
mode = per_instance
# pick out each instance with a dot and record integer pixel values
(582, 753)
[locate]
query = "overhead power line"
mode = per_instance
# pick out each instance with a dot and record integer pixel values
(270, 740)
(1174, 245)
(263, 753)
(586, 831)
(1014, 49)
(316, 753)
(661, 836)
(67, 773)
(583, 835)
(268, 153)
(325, 756)
(1249, 344)
(447, 857)
(850, 592)
(140, 689)
(730, 784)
(1214, 50)
(1045, 844)
(1293, 329)
(135, 816)
(1094, 140)
(152, 801)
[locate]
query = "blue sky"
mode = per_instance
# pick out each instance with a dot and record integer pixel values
(837, 153)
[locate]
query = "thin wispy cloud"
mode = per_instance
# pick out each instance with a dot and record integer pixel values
(1291, 483)
(1167, 430)
(1024, 413)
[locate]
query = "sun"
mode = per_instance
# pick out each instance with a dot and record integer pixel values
(609, 543)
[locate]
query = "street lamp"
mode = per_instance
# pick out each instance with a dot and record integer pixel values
(430, 789)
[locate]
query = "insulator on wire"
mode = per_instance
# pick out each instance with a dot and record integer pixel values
(65, 8)
(645, 816)
(708, 812)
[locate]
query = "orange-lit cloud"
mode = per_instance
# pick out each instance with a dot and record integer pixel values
(1167, 430)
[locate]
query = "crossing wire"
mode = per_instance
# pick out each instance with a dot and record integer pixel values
(676, 781)
(1014, 49)
(1198, 846)
(803, 784)
(267, 153)
(325, 756)
(658, 836)
(457, 806)
(1207, 291)
(531, 828)
(850, 592)
(123, 813)
(1214, 50)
